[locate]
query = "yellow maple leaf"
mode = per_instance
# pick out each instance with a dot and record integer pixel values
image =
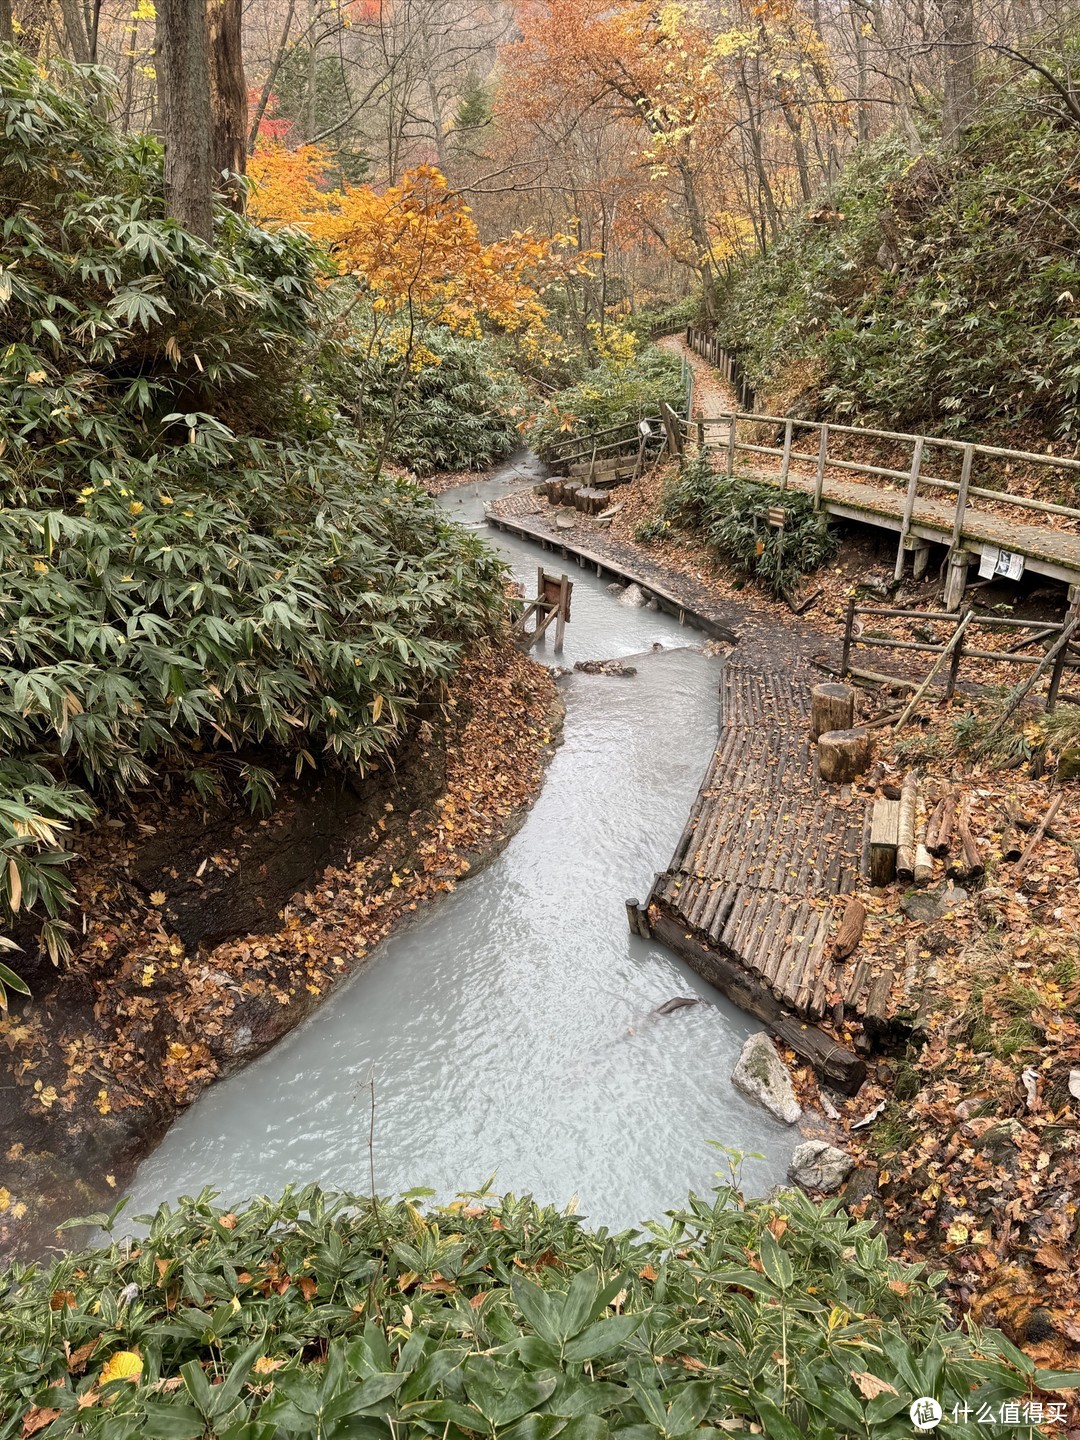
(5, 1199)
(264, 1365)
(124, 1365)
(157, 897)
(102, 1102)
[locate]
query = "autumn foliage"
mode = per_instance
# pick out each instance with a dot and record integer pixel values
(414, 248)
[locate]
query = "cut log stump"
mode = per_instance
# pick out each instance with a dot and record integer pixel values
(843, 755)
(832, 707)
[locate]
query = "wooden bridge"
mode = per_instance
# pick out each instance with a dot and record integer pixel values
(991, 524)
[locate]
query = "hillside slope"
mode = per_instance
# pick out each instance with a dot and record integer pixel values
(936, 292)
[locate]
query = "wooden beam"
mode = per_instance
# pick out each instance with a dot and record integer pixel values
(839, 1065)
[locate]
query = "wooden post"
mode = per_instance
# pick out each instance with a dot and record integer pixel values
(956, 579)
(849, 635)
(731, 447)
(832, 707)
(962, 497)
(560, 624)
(909, 506)
(884, 827)
(699, 420)
(922, 559)
(954, 670)
(671, 425)
(785, 463)
(633, 911)
(822, 457)
(1055, 679)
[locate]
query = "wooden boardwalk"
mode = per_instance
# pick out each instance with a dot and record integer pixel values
(961, 514)
(754, 890)
(1046, 551)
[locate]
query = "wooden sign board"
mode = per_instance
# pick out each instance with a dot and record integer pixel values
(553, 591)
(777, 516)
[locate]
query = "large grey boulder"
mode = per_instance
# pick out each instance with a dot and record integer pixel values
(817, 1165)
(763, 1076)
(633, 595)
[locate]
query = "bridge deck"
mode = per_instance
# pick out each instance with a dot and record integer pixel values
(1046, 550)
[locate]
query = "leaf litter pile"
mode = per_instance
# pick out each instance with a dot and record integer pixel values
(975, 1140)
(141, 1023)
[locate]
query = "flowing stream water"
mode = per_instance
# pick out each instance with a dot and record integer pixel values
(510, 1029)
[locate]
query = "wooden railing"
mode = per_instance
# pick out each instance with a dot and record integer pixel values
(726, 361)
(1051, 640)
(915, 478)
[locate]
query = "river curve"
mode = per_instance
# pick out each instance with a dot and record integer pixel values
(510, 1029)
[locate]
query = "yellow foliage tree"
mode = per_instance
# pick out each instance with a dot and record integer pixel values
(414, 250)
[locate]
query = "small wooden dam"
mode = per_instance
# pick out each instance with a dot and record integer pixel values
(755, 889)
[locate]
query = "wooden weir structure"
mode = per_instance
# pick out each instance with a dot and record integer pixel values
(551, 605)
(754, 891)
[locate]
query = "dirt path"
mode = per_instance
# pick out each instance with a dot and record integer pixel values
(711, 395)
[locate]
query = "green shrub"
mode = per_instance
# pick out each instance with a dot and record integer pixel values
(191, 563)
(932, 294)
(460, 411)
(649, 323)
(608, 395)
(325, 1316)
(731, 516)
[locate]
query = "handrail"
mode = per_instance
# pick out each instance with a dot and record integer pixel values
(1065, 462)
(1060, 633)
(596, 434)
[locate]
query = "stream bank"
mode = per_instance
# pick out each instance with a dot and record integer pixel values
(160, 1000)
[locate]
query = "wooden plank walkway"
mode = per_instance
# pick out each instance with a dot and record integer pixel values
(753, 891)
(988, 521)
(1047, 551)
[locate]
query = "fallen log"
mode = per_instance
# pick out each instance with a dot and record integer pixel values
(871, 676)
(849, 935)
(970, 865)
(940, 825)
(905, 832)
(924, 867)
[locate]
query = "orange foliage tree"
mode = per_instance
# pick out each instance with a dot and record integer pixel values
(415, 253)
(413, 248)
(728, 100)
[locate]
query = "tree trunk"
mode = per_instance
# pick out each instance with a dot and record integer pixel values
(7, 27)
(184, 79)
(228, 98)
(958, 45)
(844, 754)
(74, 31)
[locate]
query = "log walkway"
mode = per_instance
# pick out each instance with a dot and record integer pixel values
(753, 893)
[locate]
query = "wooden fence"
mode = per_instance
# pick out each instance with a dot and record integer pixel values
(728, 364)
(1052, 640)
(915, 478)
